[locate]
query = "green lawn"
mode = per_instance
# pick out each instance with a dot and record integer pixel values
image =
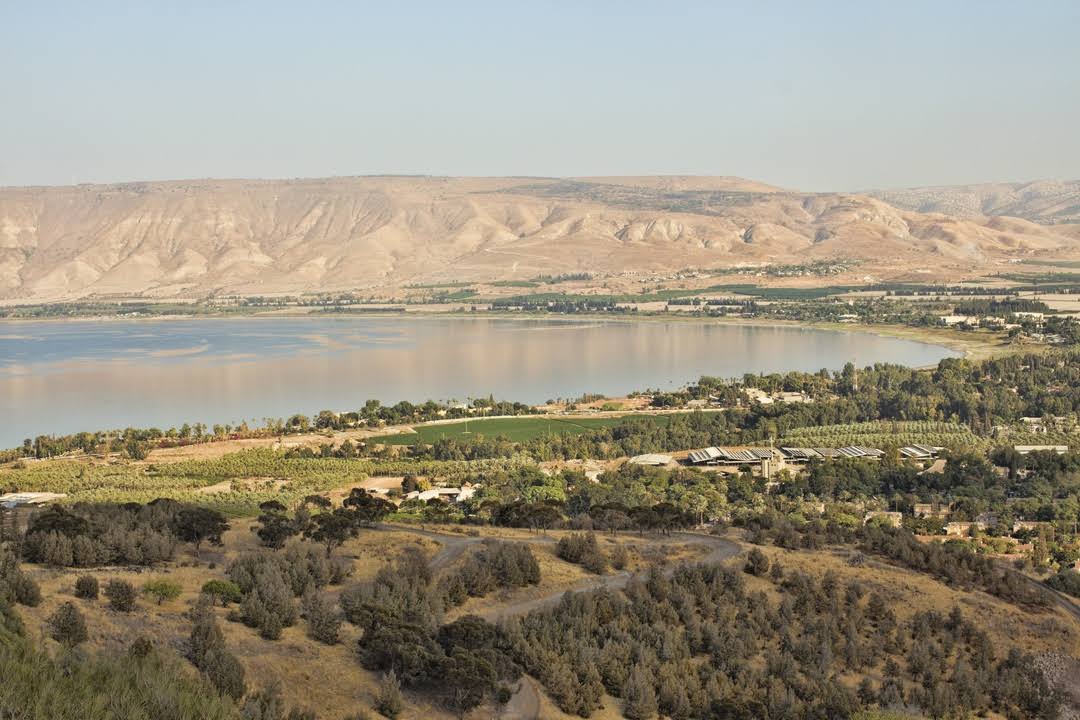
(518, 429)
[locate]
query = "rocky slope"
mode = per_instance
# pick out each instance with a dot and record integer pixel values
(191, 238)
(1044, 201)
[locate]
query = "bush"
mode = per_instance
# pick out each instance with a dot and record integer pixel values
(757, 563)
(224, 671)
(323, 622)
(388, 701)
(595, 562)
(162, 589)
(575, 546)
(121, 595)
(619, 557)
(27, 591)
(222, 591)
(1066, 581)
(67, 626)
(86, 587)
(206, 649)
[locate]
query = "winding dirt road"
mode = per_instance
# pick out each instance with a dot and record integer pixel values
(525, 702)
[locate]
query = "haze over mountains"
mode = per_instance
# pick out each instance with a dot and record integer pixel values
(193, 238)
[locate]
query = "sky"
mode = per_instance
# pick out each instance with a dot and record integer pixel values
(807, 95)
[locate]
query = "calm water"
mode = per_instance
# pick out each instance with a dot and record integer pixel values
(60, 377)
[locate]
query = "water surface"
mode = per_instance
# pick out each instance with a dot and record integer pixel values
(66, 376)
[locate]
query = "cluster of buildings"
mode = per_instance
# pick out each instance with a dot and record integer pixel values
(445, 494)
(10, 501)
(785, 396)
(772, 459)
(991, 321)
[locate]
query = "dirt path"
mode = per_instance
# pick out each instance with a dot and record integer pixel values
(722, 550)
(524, 704)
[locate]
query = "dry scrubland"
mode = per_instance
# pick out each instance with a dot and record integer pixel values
(328, 678)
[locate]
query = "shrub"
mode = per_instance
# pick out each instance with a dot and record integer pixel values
(323, 622)
(595, 562)
(224, 671)
(1066, 581)
(162, 589)
(757, 563)
(27, 591)
(575, 546)
(388, 701)
(121, 595)
(619, 557)
(222, 591)
(86, 587)
(67, 626)
(206, 648)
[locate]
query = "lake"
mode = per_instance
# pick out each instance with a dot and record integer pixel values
(65, 376)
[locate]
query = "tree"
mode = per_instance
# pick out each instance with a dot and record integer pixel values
(136, 449)
(388, 701)
(67, 626)
(197, 525)
(332, 529)
(121, 595)
(639, 697)
(470, 677)
(161, 589)
(369, 509)
(274, 529)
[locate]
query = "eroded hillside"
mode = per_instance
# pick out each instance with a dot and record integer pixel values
(193, 238)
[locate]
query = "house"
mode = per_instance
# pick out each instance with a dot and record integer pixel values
(920, 452)
(1027, 449)
(446, 494)
(1027, 525)
(651, 459)
(29, 499)
(958, 529)
(793, 397)
(892, 519)
(953, 319)
(759, 396)
(733, 456)
(927, 510)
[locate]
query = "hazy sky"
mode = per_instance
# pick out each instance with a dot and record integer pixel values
(810, 95)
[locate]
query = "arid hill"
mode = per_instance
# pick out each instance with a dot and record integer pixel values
(1044, 201)
(192, 238)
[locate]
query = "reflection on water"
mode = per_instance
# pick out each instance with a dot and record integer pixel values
(59, 377)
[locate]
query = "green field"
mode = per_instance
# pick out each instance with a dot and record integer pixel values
(518, 429)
